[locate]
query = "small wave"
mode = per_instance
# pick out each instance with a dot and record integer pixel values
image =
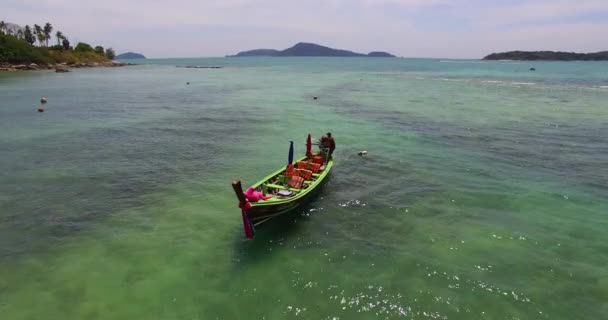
(524, 83)
(603, 87)
(453, 80)
(352, 203)
(491, 81)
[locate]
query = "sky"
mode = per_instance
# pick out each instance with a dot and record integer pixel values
(408, 28)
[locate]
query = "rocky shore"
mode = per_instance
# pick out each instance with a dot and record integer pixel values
(60, 67)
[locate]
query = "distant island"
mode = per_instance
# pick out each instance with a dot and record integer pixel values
(304, 49)
(130, 55)
(548, 56)
(33, 48)
(380, 54)
(258, 53)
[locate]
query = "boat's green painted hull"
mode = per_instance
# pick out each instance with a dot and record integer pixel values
(264, 210)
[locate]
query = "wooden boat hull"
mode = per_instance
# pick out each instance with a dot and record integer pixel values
(262, 211)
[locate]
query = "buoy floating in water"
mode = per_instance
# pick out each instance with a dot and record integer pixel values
(315, 98)
(43, 100)
(40, 109)
(362, 153)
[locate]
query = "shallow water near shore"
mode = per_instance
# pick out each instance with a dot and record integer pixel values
(483, 195)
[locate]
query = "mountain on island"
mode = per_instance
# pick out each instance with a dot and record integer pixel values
(304, 49)
(130, 55)
(258, 53)
(548, 55)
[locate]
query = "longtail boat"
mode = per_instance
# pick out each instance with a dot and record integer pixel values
(283, 190)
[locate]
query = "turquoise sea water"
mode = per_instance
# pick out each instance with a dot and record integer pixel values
(483, 196)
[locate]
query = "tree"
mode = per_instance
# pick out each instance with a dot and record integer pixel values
(28, 35)
(39, 34)
(59, 36)
(15, 51)
(19, 34)
(48, 28)
(83, 47)
(99, 50)
(110, 54)
(2, 27)
(65, 43)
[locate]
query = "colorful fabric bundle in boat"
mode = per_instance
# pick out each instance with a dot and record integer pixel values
(314, 167)
(290, 171)
(254, 196)
(296, 182)
(318, 160)
(305, 174)
(302, 164)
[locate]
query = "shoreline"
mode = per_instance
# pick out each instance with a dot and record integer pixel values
(60, 67)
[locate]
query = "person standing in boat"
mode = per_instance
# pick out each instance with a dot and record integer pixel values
(328, 142)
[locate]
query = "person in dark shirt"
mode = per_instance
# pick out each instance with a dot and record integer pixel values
(328, 144)
(332, 144)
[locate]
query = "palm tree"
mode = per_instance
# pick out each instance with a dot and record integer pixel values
(2, 26)
(59, 36)
(39, 34)
(48, 28)
(41, 38)
(28, 35)
(65, 43)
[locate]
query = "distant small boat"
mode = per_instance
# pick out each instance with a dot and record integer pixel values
(288, 188)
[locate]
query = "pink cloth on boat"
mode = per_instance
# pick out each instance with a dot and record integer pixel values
(254, 196)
